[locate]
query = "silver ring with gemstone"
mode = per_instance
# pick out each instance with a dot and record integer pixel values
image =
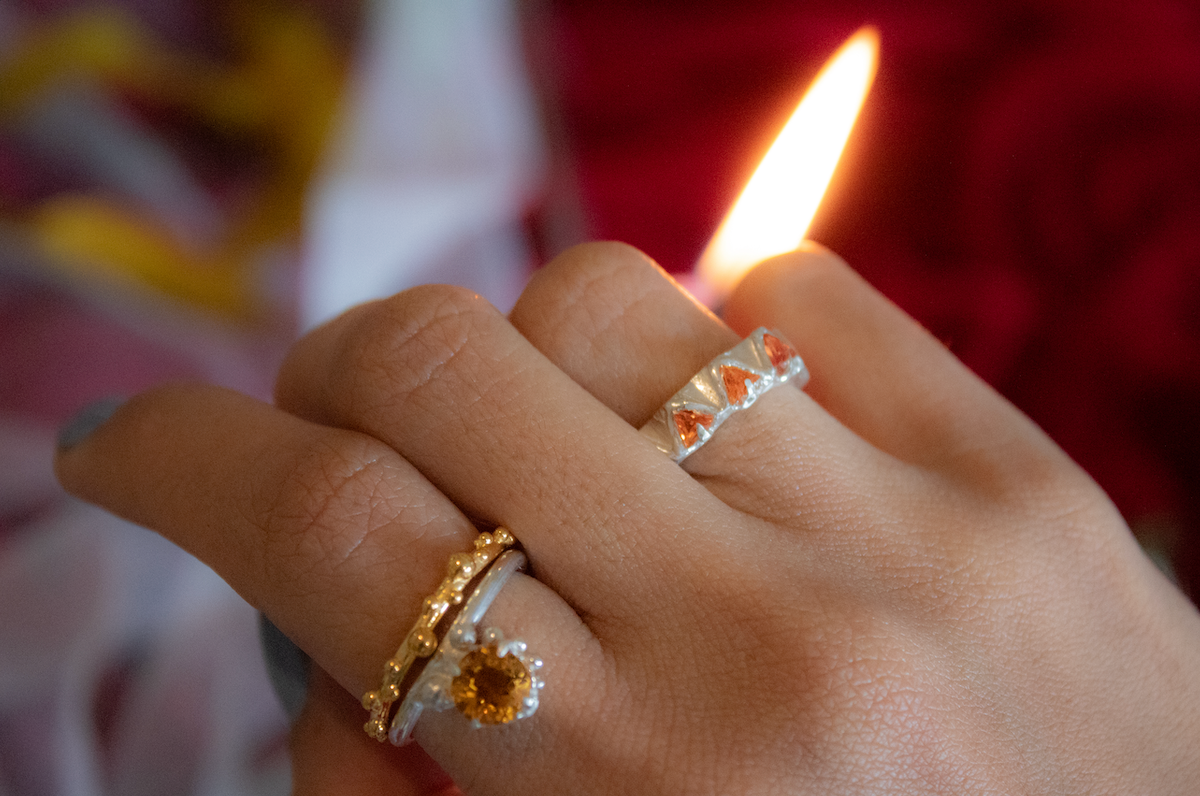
(489, 679)
(731, 382)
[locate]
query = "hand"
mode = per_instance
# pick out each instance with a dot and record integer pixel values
(890, 583)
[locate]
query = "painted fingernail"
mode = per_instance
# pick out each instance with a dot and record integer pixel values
(87, 420)
(287, 666)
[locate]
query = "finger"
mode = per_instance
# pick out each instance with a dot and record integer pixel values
(880, 373)
(445, 379)
(338, 540)
(306, 522)
(619, 326)
(331, 756)
(629, 335)
(873, 368)
(330, 532)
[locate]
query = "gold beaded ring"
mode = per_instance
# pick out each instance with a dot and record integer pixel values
(422, 640)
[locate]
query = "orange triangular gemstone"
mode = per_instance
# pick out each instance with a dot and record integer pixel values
(735, 379)
(686, 420)
(779, 352)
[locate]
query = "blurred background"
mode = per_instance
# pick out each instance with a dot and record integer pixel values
(186, 186)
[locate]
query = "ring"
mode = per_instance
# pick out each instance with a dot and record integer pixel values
(422, 640)
(732, 381)
(489, 679)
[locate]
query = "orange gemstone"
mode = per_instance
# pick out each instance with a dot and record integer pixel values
(686, 420)
(735, 379)
(490, 689)
(779, 352)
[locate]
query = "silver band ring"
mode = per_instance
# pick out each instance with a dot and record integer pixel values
(732, 381)
(490, 679)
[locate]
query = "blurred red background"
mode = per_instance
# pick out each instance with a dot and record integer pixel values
(1024, 180)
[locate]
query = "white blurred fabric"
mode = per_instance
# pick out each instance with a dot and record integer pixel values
(84, 595)
(440, 158)
(436, 161)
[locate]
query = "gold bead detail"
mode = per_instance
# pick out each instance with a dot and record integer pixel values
(423, 643)
(461, 566)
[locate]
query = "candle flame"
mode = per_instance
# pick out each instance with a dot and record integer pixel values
(778, 204)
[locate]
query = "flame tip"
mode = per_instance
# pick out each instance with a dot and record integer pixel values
(786, 188)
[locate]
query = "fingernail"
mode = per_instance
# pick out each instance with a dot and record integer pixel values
(87, 420)
(287, 666)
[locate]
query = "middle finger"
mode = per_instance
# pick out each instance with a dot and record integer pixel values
(443, 378)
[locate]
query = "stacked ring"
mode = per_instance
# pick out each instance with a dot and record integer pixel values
(732, 381)
(489, 679)
(422, 640)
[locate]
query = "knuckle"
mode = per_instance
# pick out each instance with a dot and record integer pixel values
(811, 277)
(393, 351)
(584, 260)
(811, 267)
(322, 505)
(581, 295)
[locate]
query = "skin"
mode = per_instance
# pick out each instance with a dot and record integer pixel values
(892, 583)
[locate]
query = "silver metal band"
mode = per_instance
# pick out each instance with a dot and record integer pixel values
(732, 381)
(435, 685)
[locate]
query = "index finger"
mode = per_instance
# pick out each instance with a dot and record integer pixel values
(311, 524)
(336, 538)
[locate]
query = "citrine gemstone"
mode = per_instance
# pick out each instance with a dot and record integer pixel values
(687, 420)
(735, 379)
(490, 689)
(779, 352)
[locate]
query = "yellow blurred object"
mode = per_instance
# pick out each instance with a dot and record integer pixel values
(292, 71)
(279, 94)
(103, 44)
(92, 236)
